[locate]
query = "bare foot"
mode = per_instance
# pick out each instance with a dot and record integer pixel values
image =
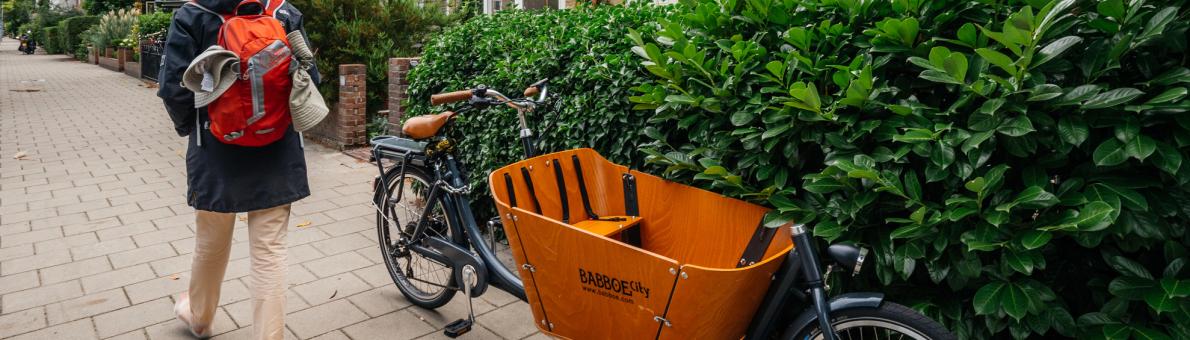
(182, 310)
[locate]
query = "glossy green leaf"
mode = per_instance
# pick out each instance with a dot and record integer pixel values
(1055, 49)
(1140, 147)
(988, 298)
(999, 59)
(1175, 288)
(1112, 98)
(1094, 216)
(1073, 130)
(1170, 95)
(1016, 126)
(1129, 287)
(1110, 152)
(1034, 239)
(1168, 158)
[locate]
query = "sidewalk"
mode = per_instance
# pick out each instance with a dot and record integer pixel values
(95, 235)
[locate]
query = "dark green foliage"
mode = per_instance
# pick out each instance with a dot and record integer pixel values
(99, 7)
(17, 13)
(51, 40)
(154, 25)
(1017, 166)
(582, 51)
(367, 32)
(70, 29)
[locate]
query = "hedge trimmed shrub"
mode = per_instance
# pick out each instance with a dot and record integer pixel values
(51, 40)
(154, 26)
(70, 29)
(582, 51)
(368, 32)
(1017, 166)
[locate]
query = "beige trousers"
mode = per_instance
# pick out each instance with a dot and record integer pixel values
(266, 237)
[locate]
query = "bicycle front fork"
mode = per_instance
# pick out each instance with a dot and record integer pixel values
(810, 268)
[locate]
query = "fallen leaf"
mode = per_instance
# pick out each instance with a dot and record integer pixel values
(20, 155)
(333, 294)
(173, 277)
(304, 224)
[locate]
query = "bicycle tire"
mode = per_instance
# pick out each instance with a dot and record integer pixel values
(408, 287)
(889, 316)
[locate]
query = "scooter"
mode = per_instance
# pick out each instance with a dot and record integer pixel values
(28, 45)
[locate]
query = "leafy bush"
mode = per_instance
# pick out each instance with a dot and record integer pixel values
(582, 51)
(367, 32)
(153, 26)
(17, 13)
(70, 31)
(1016, 165)
(51, 40)
(99, 7)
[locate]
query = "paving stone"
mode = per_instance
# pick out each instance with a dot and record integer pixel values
(241, 311)
(349, 212)
(22, 322)
(83, 207)
(78, 330)
(336, 264)
(303, 253)
(67, 242)
(451, 311)
(398, 325)
(172, 265)
(30, 237)
(138, 334)
(103, 248)
(74, 270)
(298, 275)
(111, 233)
(147, 215)
(176, 330)
(341, 244)
(331, 288)
(376, 275)
(41, 296)
(163, 235)
(15, 228)
(142, 255)
(36, 261)
(305, 235)
(508, 322)
(89, 226)
(478, 332)
(86, 306)
(246, 334)
(113, 211)
(336, 335)
(16, 252)
(134, 317)
(498, 297)
(380, 301)
(324, 318)
(183, 246)
(18, 282)
(159, 287)
(117, 278)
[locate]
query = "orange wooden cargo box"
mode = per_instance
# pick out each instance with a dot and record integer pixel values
(597, 266)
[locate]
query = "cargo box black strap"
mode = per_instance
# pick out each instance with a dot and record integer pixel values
(532, 194)
(631, 207)
(511, 192)
(757, 245)
(562, 192)
(582, 188)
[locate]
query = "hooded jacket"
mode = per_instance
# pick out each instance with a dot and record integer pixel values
(224, 177)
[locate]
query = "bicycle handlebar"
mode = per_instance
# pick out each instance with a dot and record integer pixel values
(450, 97)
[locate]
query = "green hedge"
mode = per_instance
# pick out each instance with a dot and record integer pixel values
(368, 32)
(69, 31)
(584, 53)
(51, 40)
(1017, 166)
(154, 25)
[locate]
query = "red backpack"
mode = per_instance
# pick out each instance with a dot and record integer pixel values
(254, 111)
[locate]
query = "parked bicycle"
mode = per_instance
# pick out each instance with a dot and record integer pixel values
(608, 252)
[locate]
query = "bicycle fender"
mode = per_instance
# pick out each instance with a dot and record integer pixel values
(809, 318)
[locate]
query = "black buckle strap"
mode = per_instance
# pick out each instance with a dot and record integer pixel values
(511, 192)
(756, 247)
(532, 194)
(582, 189)
(562, 191)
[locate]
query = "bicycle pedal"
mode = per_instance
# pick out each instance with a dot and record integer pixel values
(457, 328)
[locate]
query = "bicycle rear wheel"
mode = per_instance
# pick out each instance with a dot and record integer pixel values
(425, 282)
(889, 321)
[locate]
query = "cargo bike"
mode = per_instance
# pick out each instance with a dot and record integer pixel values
(601, 251)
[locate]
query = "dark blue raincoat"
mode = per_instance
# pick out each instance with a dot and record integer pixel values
(224, 177)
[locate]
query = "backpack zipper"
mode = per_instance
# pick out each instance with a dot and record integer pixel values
(257, 81)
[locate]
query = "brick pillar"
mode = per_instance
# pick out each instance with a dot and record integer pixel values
(398, 88)
(346, 125)
(121, 58)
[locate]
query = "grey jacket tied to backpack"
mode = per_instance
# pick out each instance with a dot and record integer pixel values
(224, 177)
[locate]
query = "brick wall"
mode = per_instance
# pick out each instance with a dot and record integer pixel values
(398, 87)
(346, 125)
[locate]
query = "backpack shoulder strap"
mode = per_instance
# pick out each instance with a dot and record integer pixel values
(222, 18)
(270, 8)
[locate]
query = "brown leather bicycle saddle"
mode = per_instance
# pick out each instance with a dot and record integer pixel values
(426, 126)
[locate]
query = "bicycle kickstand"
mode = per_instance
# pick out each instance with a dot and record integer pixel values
(462, 326)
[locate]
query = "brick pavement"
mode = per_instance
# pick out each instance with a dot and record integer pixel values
(95, 235)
